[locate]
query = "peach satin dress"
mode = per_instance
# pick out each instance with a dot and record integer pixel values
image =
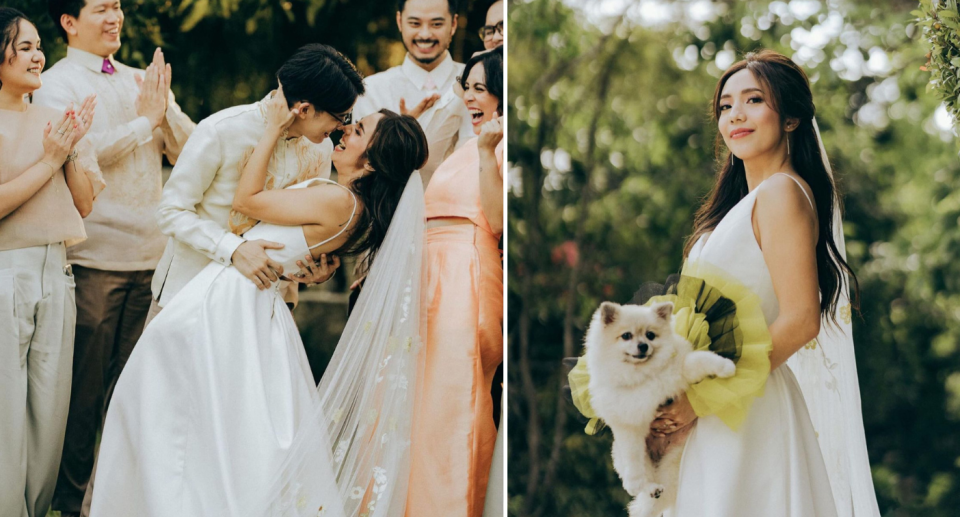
(454, 432)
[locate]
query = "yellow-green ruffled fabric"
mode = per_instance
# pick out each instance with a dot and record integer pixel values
(715, 313)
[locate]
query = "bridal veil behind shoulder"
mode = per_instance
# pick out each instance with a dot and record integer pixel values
(827, 372)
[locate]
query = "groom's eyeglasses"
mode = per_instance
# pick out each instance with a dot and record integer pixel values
(486, 32)
(344, 120)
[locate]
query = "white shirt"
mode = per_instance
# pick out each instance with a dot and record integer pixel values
(196, 208)
(122, 233)
(447, 124)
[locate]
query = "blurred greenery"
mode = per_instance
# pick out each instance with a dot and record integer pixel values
(611, 148)
(227, 52)
(940, 22)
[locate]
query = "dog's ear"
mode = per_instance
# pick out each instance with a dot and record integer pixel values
(663, 310)
(609, 312)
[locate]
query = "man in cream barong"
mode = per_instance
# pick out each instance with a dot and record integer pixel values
(137, 123)
(196, 209)
(423, 86)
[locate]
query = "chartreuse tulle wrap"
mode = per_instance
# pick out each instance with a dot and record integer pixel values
(714, 312)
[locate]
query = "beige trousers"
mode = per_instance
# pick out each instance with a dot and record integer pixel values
(37, 321)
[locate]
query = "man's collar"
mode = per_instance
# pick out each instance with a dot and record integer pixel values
(88, 60)
(418, 76)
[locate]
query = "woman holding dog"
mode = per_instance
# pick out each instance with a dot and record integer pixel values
(772, 224)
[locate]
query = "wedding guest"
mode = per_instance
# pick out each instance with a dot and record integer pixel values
(422, 85)
(492, 31)
(48, 181)
(454, 433)
(137, 123)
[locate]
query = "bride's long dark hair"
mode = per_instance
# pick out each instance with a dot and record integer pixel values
(788, 89)
(397, 148)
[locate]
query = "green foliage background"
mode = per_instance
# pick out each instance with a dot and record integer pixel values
(227, 52)
(611, 148)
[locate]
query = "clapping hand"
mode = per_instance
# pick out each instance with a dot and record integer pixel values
(421, 107)
(280, 115)
(84, 118)
(58, 138)
(491, 132)
(154, 90)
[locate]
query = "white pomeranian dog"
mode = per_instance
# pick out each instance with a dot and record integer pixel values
(636, 363)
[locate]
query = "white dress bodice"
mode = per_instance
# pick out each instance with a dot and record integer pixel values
(732, 247)
(295, 246)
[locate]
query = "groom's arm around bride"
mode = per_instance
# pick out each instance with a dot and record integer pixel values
(196, 207)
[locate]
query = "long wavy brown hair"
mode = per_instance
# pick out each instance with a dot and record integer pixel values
(787, 89)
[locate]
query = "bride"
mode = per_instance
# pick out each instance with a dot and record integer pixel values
(217, 413)
(772, 224)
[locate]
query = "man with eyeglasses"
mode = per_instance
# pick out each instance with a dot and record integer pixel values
(422, 86)
(492, 31)
(196, 207)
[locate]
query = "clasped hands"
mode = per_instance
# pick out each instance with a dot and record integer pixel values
(154, 90)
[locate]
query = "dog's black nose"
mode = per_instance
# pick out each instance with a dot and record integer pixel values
(643, 347)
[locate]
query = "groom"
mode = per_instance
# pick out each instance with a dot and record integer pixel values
(195, 210)
(196, 206)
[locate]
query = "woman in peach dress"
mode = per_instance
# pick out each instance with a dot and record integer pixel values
(454, 432)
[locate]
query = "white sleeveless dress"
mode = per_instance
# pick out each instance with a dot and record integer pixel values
(210, 400)
(772, 466)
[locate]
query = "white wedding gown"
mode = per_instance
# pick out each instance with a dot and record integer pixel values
(210, 402)
(772, 466)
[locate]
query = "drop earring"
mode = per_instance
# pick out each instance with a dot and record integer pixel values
(788, 145)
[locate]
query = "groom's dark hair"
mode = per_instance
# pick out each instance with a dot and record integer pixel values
(320, 75)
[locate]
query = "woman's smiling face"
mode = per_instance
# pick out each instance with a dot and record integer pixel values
(480, 102)
(354, 142)
(748, 123)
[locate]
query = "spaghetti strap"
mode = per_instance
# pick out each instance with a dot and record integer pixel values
(350, 220)
(795, 180)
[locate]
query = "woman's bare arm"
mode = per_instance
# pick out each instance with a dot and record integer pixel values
(787, 236)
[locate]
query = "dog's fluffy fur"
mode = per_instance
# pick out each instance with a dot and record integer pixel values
(636, 363)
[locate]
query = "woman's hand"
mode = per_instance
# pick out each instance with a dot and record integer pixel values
(84, 118)
(279, 115)
(491, 132)
(673, 417)
(58, 139)
(316, 271)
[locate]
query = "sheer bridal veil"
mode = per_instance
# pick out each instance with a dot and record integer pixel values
(827, 371)
(351, 456)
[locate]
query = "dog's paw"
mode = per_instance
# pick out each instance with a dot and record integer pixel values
(654, 490)
(727, 369)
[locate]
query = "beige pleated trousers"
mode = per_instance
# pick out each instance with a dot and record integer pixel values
(37, 321)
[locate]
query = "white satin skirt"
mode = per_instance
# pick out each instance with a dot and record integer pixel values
(771, 466)
(208, 406)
